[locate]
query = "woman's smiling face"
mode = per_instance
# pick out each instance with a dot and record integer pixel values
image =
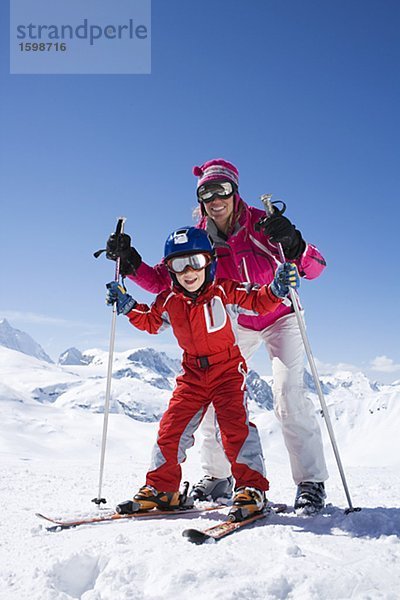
(220, 210)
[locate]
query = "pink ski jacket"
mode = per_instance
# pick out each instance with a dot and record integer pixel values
(243, 255)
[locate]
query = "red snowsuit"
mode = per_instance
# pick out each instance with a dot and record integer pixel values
(213, 371)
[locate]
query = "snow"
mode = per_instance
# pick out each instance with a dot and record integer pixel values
(50, 450)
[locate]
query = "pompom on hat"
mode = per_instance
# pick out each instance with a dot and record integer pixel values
(216, 169)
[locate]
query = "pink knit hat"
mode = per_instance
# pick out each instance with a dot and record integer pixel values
(216, 169)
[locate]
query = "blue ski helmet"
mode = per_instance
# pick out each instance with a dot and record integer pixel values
(191, 240)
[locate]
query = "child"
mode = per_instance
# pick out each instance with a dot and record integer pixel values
(203, 312)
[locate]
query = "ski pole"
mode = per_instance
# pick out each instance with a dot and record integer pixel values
(269, 209)
(99, 500)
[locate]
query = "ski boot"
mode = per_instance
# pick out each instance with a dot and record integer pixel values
(248, 501)
(310, 498)
(148, 498)
(211, 489)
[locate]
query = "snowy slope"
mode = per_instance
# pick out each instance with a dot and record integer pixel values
(50, 429)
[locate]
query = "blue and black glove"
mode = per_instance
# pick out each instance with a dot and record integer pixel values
(286, 277)
(117, 293)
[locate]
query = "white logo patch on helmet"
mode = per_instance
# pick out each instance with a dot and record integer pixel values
(181, 237)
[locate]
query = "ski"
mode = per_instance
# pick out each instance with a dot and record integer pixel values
(59, 525)
(217, 532)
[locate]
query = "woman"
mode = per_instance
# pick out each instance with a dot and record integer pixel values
(248, 253)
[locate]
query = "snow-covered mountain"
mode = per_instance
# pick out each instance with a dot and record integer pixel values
(259, 391)
(142, 382)
(19, 340)
(73, 356)
(143, 379)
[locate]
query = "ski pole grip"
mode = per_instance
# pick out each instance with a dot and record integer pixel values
(120, 225)
(118, 230)
(266, 200)
(271, 208)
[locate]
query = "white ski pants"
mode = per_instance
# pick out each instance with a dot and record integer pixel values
(293, 409)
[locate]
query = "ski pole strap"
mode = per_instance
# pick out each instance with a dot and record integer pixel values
(272, 208)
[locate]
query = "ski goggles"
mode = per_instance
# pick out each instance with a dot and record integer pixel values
(178, 264)
(209, 191)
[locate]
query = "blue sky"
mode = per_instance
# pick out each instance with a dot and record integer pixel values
(302, 96)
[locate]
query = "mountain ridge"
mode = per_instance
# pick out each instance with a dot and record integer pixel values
(18, 340)
(143, 379)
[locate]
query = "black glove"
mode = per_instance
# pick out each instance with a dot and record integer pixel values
(119, 246)
(279, 229)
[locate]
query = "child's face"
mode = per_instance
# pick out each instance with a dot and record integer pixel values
(191, 279)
